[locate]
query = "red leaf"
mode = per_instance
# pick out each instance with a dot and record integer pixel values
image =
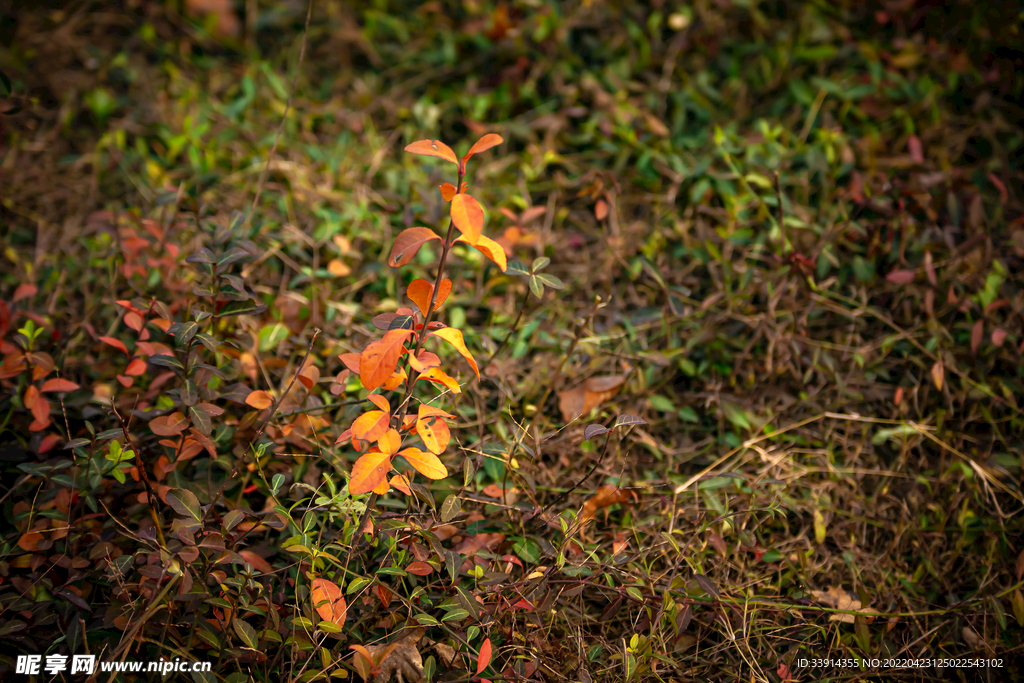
(484, 658)
(169, 425)
(419, 569)
(998, 336)
(57, 384)
(116, 343)
(328, 601)
(916, 151)
(24, 291)
(136, 367)
(900, 277)
(408, 243)
(977, 332)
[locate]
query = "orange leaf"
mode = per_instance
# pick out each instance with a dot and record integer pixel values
(30, 542)
(439, 376)
(309, 376)
(396, 380)
(169, 425)
(57, 384)
(408, 243)
(606, 496)
(938, 373)
(433, 148)
(382, 488)
(419, 568)
(420, 291)
(116, 343)
(378, 360)
(425, 463)
(380, 402)
(401, 483)
(448, 191)
(371, 425)
(468, 216)
(435, 434)
(30, 397)
(489, 248)
(482, 145)
(136, 367)
(369, 472)
(484, 658)
(601, 210)
(424, 360)
(425, 411)
(41, 409)
(258, 563)
(454, 337)
(24, 291)
(389, 442)
(328, 601)
(338, 268)
(259, 399)
(351, 361)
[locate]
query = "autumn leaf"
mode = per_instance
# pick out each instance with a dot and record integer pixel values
(435, 434)
(401, 483)
(116, 343)
(371, 425)
(328, 601)
(408, 243)
(481, 145)
(454, 337)
(169, 425)
(420, 291)
(837, 598)
(606, 496)
(468, 216)
(439, 376)
(489, 248)
(309, 376)
(389, 442)
(425, 411)
(433, 148)
(484, 657)
(582, 399)
(447, 191)
(259, 399)
(379, 359)
(369, 472)
(424, 462)
(601, 210)
(424, 360)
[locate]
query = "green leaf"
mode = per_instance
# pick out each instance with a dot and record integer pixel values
(688, 415)
(451, 508)
(185, 503)
(189, 393)
(455, 615)
(550, 281)
(183, 332)
(246, 632)
(427, 620)
(516, 268)
(661, 403)
(250, 307)
(536, 286)
(271, 335)
(527, 549)
(540, 263)
(276, 483)
(166, 361)
(201, 420)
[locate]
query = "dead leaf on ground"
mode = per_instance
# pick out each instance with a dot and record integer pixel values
(582, 399)
(606, 496)
(837, 598)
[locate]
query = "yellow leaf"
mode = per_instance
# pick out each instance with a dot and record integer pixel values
(390, 442)
(489, 248)
(435, 434)
(454, 337)
(425, 463)
(439, 376)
